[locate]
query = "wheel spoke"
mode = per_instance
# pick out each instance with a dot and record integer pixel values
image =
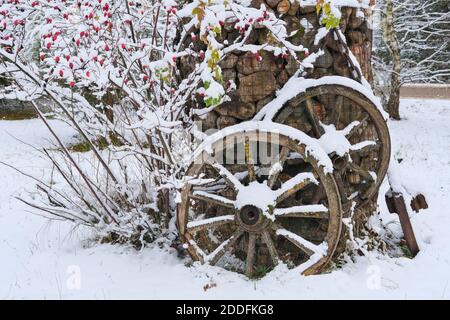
(249, 160)
(199, 252)
(212, 198)
(336, 110)
(202, 182)
(318, 211)
(205, 183)
(295, 184)
(208, 184)
(215, 256)
(307, 247)
(225, 174)
(364, 146)
(271, 246)
(210, 188)
(317, 128)
(214, 222)
(276, 168)
(354, 127)
(357, 169)
(250, 254)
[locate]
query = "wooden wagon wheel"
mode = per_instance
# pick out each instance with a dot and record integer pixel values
(249, 215)
(359, 172)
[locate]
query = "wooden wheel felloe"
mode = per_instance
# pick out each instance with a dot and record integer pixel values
(249, 214)
(360, 171)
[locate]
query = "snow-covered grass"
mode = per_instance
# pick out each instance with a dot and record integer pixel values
(39, 259)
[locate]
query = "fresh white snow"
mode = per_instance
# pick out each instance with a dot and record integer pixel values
(203, 222)
(295, 86)
(314, 208)
(41, 259)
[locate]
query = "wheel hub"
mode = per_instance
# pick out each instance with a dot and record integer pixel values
(251, 219)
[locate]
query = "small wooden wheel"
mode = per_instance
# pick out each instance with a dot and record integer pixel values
(336, 108)
(247, 214)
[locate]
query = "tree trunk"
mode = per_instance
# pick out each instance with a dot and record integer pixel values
(393, 105)
(390, 38)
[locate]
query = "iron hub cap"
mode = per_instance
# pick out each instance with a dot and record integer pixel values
(251, 219)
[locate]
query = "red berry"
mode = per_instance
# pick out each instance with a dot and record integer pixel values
(72, 84)
(61, 73)
(123, 46)
(57, 59)
(88, 74)
(71, 65)
(49, 45)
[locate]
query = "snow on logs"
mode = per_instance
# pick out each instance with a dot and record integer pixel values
(255, 78)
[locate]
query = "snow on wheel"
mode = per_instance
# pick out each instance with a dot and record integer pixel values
(249, 213)
(351, 128)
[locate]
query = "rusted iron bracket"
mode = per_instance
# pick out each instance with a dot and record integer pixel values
(419, 202)
(396, 204)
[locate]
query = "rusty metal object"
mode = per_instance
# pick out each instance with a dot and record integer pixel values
(396, 204)
(419, 202)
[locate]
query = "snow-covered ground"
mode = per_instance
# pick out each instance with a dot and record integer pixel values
(41, 259)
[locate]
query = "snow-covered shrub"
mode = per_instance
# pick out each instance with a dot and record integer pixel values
(109, 67)
(111, 70)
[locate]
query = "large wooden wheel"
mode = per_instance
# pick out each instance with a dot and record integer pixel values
(340, 115)
(249, 214)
